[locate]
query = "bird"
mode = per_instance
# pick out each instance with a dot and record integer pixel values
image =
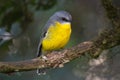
(4, 36)
(55, 34)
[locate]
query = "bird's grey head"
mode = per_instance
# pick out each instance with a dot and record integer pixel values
(62, 17)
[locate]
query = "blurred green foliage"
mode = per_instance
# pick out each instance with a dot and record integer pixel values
(19, 10)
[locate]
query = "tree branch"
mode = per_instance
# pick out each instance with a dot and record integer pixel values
(54, 59)
(109, 38)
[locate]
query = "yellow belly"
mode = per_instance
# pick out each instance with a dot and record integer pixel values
(56, 37)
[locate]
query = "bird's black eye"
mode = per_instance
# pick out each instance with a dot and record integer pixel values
(64, 19)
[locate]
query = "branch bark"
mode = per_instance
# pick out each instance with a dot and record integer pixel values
(54, 59)
(109, 38)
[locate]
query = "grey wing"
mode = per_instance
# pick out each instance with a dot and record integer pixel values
(44, 31)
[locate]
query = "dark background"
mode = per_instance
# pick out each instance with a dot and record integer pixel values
(24, 19)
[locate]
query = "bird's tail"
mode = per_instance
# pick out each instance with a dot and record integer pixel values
(41, 71)
(39, 53)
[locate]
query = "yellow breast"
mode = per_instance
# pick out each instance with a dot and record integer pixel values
(56, 37)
